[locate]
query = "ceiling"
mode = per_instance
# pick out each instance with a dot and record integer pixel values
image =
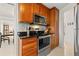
(57, 5)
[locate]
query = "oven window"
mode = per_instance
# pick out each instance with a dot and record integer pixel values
(43, 42)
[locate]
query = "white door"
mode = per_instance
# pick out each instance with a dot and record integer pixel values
(69, 24)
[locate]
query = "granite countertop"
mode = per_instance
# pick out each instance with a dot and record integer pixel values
(24, 37)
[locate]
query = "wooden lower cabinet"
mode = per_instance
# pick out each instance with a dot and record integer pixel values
(29, 47)
(52, 41)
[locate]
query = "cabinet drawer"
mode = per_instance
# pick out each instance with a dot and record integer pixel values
(29, 49)
(29, 46)
(29, 52)
(28, 41)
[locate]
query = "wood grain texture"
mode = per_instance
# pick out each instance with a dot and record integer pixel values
(29, 47)
(36, 8)
(28, 10)
(54, 25)
(25, 12)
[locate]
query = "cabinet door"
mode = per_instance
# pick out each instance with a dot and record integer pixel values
(41, 9)
(47, 16)
(25, 12)
(54, 25)
(35, 8)
(52, 17)
(57, 26)
(53, 44)
(44, 11)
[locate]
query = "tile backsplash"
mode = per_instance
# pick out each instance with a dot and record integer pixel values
(23, 27)
(38, 27)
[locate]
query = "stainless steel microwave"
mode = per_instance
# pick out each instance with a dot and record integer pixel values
(39, 20)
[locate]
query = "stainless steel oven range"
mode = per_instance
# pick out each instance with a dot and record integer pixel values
(44, 45)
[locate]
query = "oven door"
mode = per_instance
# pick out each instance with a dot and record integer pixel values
(44, 46)
(43, 42)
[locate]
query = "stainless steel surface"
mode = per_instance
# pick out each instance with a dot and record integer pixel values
(39, 20)
(44, 36)
(46, 50)
(76, 41)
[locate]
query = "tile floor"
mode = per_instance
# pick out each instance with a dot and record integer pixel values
(57, 52)
(7, 50)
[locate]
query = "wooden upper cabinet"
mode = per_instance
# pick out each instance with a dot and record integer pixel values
(52, 20)
(44, 11)
(47, 16)
(26, 12)
(36, 8)
(52, 16)
(41, 9)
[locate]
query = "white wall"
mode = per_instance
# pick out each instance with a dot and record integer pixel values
(8, 15)
(61, 23)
